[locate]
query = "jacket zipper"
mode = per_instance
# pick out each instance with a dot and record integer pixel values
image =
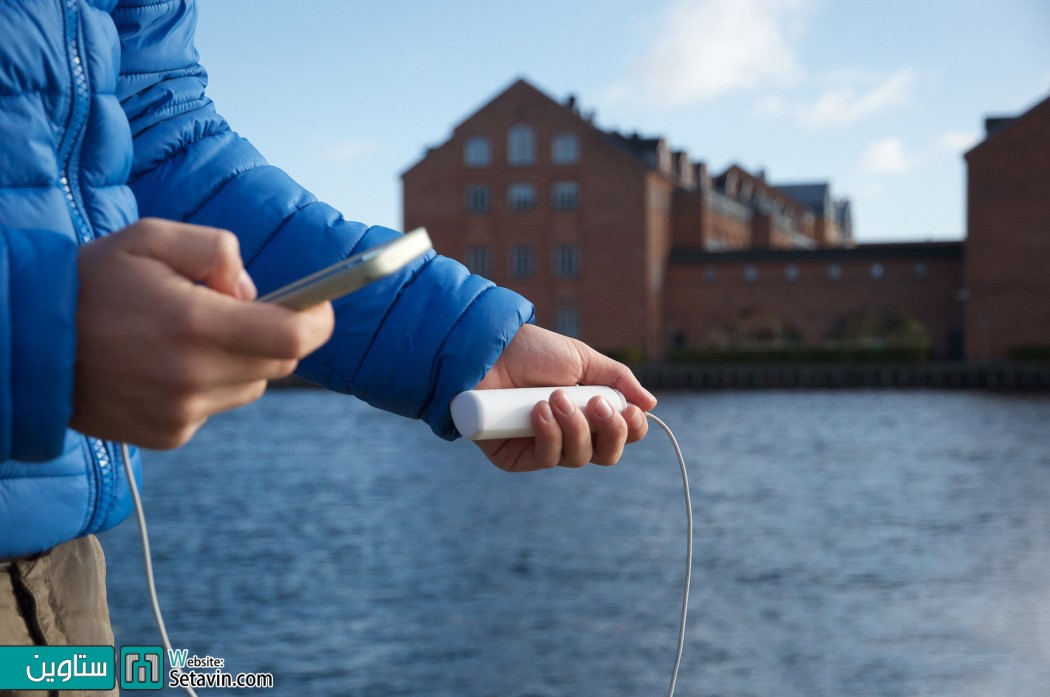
(103, 471)
(74, 130)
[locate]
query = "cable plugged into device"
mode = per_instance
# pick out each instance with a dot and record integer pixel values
(507, 413)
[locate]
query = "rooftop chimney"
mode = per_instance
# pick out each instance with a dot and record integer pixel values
(994, 124)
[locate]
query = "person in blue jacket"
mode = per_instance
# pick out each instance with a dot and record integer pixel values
(135, 229)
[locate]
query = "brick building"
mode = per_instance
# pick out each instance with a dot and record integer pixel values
(1008, 237)
(758, 298)
(638, 250)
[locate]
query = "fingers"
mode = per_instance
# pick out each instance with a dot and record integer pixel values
(157, 352)
(546, 448)
(261, 329)
(564, 438)
(610, 431)
(576, 447)
(198, 373)
(199, 253)
(175, 421)
(637, 424)
(222, 318)
(599, 369)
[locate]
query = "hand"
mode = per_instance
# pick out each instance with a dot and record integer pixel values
(539, 358)
(158, 352)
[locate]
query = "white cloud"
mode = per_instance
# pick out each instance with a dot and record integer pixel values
(886, 156)
(957, 141)
(862, 95)
(345, 151)
(705, 48)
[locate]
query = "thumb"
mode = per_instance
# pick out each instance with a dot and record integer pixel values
(599, 369)
(202, 254)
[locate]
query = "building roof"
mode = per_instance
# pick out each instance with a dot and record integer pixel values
(643, 150)
(647, 151)
(996, 125)
(813, 195)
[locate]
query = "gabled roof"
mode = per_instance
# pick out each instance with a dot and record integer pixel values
(641, 150)
(997, 125)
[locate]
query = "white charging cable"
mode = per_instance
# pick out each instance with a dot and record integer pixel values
(689, 549)
(140, 516)
(147, 558)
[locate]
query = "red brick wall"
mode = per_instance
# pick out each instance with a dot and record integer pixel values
(658, 245)
(1008, 239)
(761, 231)
(611, 295)
(687, 219)
(697, 301)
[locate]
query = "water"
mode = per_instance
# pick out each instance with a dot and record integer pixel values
(848, 543)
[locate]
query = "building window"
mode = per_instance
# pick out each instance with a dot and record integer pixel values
(477, 152)
(750, 273)
(565, 149)
(479, 199)
(921, 270)
(479, 260)
(521, 261)
(834, 272)
(565, 196)
(521, 197)
(521, 146)
(791, 273)
(567, 321)
(710, 274)
(877, 270)
(565, 260)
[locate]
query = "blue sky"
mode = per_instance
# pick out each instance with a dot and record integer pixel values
(880, 98)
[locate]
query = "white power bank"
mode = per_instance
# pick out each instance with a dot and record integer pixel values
(491, 414)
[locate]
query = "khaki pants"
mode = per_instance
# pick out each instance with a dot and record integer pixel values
(56, 598)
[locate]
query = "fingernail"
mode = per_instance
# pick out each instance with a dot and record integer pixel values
(651, 395)
(563, 404)
(245, 287)
(603, 409)
(546, 414)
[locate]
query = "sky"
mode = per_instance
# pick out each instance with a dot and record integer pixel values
(879, 98)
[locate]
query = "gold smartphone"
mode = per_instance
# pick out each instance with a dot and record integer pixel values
(352, 273)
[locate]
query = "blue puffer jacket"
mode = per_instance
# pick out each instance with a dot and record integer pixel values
(103, 118)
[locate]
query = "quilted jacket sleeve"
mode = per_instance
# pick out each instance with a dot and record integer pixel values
(38, 294)
(407, 344)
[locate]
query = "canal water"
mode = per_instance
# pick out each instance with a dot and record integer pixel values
(847, 543)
